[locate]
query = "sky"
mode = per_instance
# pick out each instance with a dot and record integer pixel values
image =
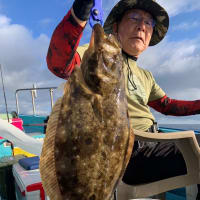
(26, 27)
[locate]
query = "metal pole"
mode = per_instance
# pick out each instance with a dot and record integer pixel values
(51, 96)
(17, 103)
(4, 93)
(34, 95)
(33, 101)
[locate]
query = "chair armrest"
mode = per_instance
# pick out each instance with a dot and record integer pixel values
(187, 144)
(185, 141)
(161, 137)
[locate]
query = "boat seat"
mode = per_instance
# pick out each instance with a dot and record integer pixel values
(189, 147)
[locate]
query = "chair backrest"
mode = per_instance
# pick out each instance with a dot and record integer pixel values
(188, 145)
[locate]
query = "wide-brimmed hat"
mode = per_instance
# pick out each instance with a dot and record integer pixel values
(158, 13)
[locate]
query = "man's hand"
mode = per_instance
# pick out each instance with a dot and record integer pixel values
(82, 8)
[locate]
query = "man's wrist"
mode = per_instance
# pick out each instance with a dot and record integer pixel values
(80, 22)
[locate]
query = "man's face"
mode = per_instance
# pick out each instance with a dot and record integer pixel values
(134, 31)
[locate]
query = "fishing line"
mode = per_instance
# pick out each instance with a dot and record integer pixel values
(4, 93)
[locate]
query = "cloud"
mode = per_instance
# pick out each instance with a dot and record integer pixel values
(174, 57)
(4, 20)
(180, 6)
(186, 26)
(45, 22)
(23, 59)
(176, 67)
(163, 119)
(172, 7)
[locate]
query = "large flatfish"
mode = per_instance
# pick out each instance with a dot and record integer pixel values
(87, 144)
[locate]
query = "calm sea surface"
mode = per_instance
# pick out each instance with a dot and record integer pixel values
(182, 126)
(195, 127)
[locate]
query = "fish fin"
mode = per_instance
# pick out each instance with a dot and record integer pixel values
(91, 45)
(127, 157)
(130, 146)
(47, 159)
(67, 86)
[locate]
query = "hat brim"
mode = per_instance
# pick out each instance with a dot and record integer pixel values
(158, 13)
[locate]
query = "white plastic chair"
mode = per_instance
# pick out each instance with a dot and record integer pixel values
(188, 145)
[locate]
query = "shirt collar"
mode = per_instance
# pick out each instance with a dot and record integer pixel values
(129, 56)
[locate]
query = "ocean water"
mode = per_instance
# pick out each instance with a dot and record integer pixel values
(195, 127)
(37, 126)
(33, 123)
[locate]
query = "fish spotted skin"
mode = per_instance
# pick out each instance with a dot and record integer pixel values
(87, 144)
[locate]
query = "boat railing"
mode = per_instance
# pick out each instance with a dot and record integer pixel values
(34, 95)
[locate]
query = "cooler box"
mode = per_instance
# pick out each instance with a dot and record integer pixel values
(28, 184)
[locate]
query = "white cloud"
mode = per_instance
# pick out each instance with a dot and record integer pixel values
(176, 68)
(192, 93)
(173, 7)
(162, 119)
(4, 21)
(174, 57)
(23, 58)
(179, 6)
(174, 64)
(45, 22)
(186, 26)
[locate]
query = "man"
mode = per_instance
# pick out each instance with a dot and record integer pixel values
(137, 24)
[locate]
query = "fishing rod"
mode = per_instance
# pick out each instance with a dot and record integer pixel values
(4, 93)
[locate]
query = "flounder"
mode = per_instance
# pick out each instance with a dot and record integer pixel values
(88, 140)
